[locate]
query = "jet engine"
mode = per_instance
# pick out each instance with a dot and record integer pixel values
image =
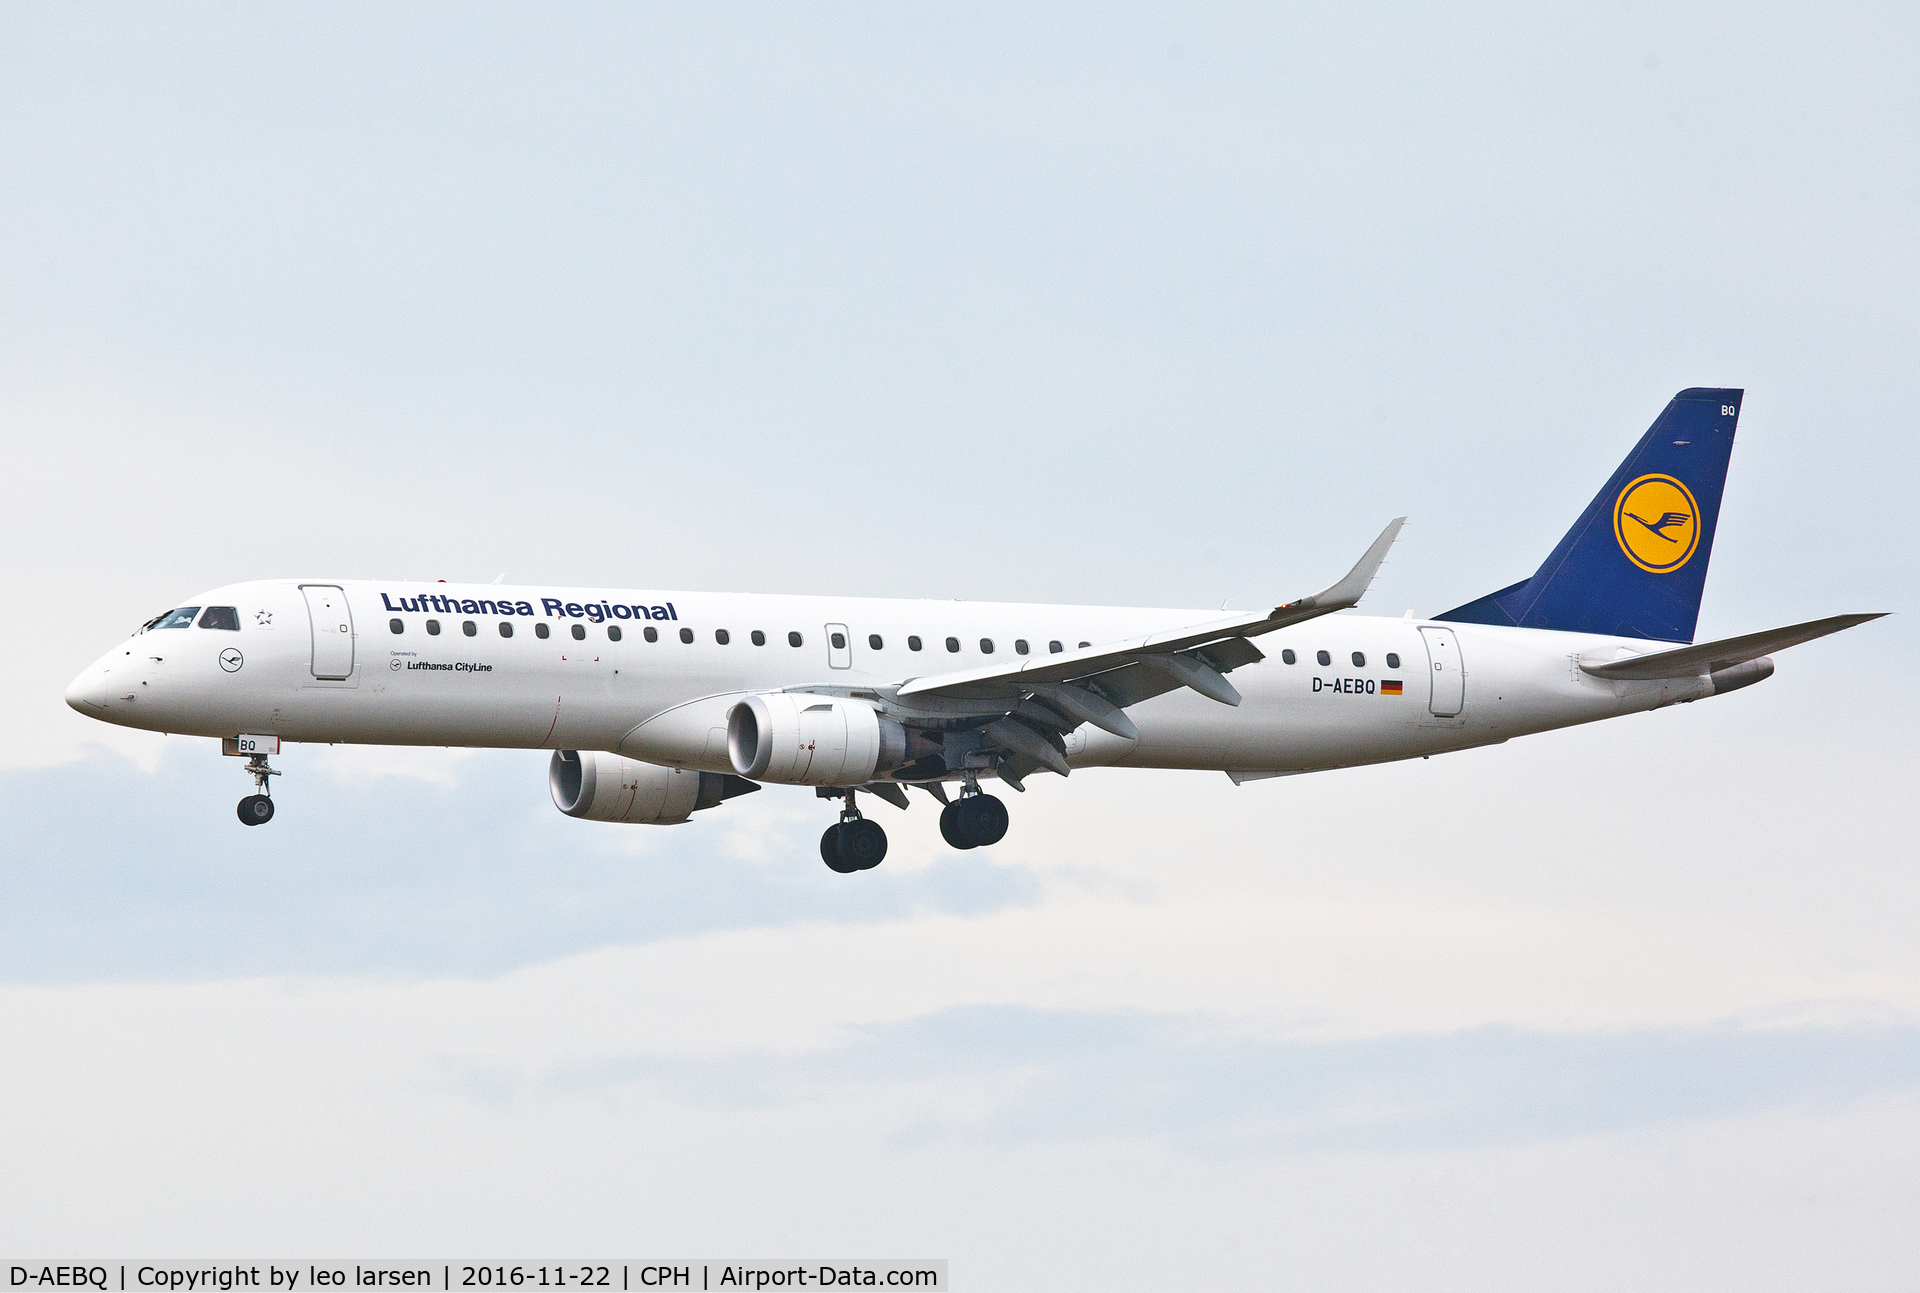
(602, 787)
(799, 739)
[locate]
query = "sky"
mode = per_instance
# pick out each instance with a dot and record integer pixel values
(1154, 305)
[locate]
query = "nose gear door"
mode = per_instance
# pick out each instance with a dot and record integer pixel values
(1449, 694)
(332, 631)
(839, 647)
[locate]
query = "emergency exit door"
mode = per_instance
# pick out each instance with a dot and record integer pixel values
(839, 647)
(1449, 694)
(332, 631)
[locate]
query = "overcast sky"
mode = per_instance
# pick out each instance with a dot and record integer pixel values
(1150, 305)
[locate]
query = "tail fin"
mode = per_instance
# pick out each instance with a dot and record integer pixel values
(1635, 562)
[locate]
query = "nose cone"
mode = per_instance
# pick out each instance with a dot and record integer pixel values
(88, 692)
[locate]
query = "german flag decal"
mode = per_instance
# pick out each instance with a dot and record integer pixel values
(1389, 687)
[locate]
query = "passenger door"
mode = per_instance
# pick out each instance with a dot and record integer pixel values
(332, 631)
(1449, 695)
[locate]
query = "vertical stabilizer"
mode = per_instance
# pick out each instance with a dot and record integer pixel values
(1635, 563)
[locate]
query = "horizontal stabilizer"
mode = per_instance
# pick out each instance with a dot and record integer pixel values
(1710, 657)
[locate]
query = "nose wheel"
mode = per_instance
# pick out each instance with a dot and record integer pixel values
(257, 810)
(853, 843)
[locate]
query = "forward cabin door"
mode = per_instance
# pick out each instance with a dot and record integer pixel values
(1449, 694)
(839, 647)
(332, 631)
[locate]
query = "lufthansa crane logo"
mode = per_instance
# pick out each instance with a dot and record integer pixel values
(1657, 523)
(231, 660)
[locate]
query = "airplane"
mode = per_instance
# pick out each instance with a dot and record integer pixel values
(658, 705)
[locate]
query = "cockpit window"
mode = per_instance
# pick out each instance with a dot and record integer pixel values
(221, 617)
(177, 619)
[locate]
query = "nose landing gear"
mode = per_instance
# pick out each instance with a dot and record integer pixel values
(853, 843)
(257, 810)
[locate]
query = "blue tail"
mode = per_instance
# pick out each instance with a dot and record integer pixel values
(1635, 562)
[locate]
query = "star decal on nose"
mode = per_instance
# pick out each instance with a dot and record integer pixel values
(263, 618)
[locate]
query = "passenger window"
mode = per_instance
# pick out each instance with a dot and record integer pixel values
(1085, 645)
(650, 633)
(506, 628)
(686, 635)
(579, 633)
(540, 630)
(793, 639)
(1359, 659)
(613, 632)
(433, 628)
(953, 644)
(874, 643)
(722, 636)
(1288, 657)
(839, 641)
(396, 627)
(986, 646)
(1019, 646)
(1393, 661)
(759, 638)
(180, 619)
(1323, 657)
(1055, 647)
(221, 617)
(913, 644)
(469, 628)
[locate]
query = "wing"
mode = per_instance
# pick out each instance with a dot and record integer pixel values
(1020, 713)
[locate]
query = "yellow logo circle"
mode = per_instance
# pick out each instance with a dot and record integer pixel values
(1657, 523)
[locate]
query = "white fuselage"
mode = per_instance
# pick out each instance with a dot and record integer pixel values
(581, 687)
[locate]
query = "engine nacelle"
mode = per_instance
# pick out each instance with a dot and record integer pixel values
(797, 739)
(602, 787)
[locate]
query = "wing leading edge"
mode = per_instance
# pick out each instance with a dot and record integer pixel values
(1168, 654)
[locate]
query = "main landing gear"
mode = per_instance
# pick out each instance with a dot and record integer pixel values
(974, 820)
(257, 810)
(853, 843)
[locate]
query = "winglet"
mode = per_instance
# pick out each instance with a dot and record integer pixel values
(1349, 590)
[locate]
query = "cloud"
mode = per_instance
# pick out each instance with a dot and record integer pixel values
(116, 873)
(1061, 1075)
(578, 1106)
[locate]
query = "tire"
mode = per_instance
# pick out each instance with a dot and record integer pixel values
(989, 820)
(954, 824)
(830, 850)
(862, 844)
(256, 810)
